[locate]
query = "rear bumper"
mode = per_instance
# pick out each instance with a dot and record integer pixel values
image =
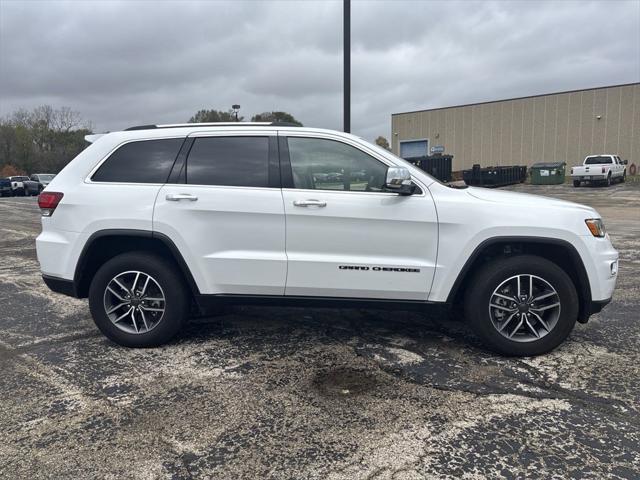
(590, 178)
(60, 285)
(58, 251)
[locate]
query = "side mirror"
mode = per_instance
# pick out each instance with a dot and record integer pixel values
(626, 162)
(399, 181)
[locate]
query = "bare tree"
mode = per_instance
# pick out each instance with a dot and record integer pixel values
(65, 119)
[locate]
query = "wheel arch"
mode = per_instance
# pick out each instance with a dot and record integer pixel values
(106, 244)
(558, 251)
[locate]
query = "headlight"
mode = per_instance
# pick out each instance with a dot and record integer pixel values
(596, 227)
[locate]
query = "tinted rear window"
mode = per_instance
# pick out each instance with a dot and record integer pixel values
(147, 161)
(229, 161)
(597, 160)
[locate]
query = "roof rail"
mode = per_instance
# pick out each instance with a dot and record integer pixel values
(214, 124)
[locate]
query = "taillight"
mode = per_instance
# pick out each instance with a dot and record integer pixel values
(48, 201)
(571, 170)
(602, 169)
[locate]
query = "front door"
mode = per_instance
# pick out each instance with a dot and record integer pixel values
(224, 212)
(346, 236)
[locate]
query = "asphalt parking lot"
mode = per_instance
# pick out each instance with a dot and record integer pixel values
(311, 393)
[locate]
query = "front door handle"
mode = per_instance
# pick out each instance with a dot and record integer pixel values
(174, 197)
(309, 203)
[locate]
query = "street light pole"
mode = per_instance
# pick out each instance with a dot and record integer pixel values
(346, 48)
(235, 109)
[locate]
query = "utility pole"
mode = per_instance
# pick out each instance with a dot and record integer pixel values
(235, 109)
(346, 47)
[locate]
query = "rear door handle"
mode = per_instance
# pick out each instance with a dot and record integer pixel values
(174, 197)
(309, 203)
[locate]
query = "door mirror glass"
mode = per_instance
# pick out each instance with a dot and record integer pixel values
(626, 162)
(399, 181)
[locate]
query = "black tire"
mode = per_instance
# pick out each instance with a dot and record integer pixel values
(489, 277)
(607, 182)
(624, 177)
(576, 183)
(167, 276)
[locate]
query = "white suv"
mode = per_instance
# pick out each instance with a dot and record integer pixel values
(158, 222)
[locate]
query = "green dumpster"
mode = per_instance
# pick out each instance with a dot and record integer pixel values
(547, 173)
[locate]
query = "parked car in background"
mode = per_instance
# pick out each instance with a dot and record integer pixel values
(5, 188)
(151, 221)
(42, 178)
(604, 169)
(17, 185)
(32, 187)
(36, 183)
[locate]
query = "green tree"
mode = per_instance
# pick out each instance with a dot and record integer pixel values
(382, 142)
(212, 116)
(283, 117)
(44, 139)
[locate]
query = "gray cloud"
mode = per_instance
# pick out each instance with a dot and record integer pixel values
(125, 62)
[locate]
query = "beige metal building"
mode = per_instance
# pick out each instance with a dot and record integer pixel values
(564, 126)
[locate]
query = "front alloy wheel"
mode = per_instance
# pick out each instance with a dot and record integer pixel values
(521, 305)
(524, 308)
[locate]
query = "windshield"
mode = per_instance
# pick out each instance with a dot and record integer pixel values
(45, 178)
(597, 160)
(18, 179)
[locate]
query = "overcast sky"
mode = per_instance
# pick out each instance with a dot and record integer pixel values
(137, 62)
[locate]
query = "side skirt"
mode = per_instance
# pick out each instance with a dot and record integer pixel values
(212, 303)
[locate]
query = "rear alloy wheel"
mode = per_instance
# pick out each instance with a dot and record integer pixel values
(608, 180)
(522, 305)
(138, 300)
(134, 302)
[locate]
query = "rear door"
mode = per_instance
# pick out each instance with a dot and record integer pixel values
(223, 209)
(346, 237)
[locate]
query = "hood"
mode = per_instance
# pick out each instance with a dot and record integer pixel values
(524, 199)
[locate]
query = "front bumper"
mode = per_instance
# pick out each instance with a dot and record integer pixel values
(604, 271)
(592, 308)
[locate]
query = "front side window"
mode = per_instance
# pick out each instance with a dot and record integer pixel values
(229, 161)
(321, 164)
(147, 161)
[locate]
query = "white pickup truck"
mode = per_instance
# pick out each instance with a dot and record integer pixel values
(600, 168)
